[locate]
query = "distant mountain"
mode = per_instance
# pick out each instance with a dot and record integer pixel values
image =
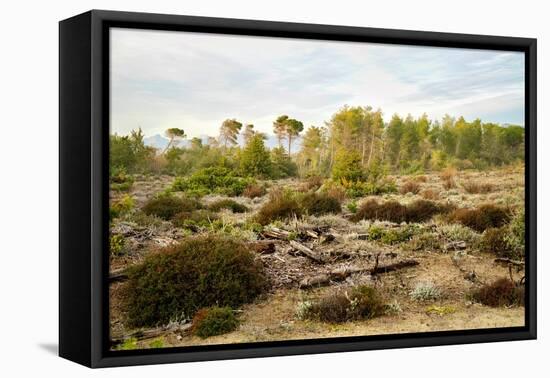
(157, 141)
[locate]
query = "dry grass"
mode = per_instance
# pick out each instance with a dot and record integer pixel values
(476, 187)
(410, 187)
(430, 194)
(448, 176)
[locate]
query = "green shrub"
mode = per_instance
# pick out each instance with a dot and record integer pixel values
(214, 321)
(362, 302)
(425, 291)
(194, 219)
(484, 217)
(166, 207)
(156, 343)
(515, 238)
(320, 203)
(502, 292)
(393, 235)
(493, 240)
(128, 344)
(281, 206)
(120, 207)
(116, 244)
(352, 207)
(120, 180)
(199, 272)
(355, 189)
(229, 204)
(218, 180)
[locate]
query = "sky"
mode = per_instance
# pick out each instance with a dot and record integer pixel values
(194, 81)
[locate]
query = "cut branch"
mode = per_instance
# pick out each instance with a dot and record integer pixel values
(338, 275)
(306, 251)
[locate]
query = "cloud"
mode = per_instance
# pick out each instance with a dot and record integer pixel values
(194, 81)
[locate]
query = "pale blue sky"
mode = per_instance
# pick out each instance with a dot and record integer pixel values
(194, 81)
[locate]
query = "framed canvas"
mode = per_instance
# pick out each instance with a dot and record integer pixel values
(235, 188)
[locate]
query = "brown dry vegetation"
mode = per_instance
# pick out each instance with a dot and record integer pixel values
(450, 231)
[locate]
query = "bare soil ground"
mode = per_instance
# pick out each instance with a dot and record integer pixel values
(454, 267)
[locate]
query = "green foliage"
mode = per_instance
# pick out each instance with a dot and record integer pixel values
(120, 180)
(320, 203)
(128, 344)
(347, 166)
(515, 237)
(506, 241)
(116, 244)
(484, 217)
(281, 206)
(255, 158)
(193, 220)
(392, 236)
(352, 207)
(502, 292)
(214, 321)
(217, 180)
(167, 206)
(199, 272)
(129, 153)
(362, 302)
(281, 164)
(229, 204)
(121, 206)
(425, 291)
(156, 343)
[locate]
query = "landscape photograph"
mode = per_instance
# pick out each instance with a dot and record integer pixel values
(270, 189)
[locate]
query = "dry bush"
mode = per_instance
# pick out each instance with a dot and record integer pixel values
(166, 207)
(409, 187)
(199, 272)
(281, 206)
(336, 192)
(362, 302)
(484, 217)
(254, 190)
(214, 321)
(422, 210)
(393, 211)
(448, 176)
(475, 187)
(311, 183)
(421, 178)
(430, 194)
(320, 203)
(229, 204)
(502, 292)
(194, 219)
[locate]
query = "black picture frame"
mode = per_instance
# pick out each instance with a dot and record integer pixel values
(83, 181)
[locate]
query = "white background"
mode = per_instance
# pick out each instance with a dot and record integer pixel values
(29, 188)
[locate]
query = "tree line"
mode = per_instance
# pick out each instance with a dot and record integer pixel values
(353, 142)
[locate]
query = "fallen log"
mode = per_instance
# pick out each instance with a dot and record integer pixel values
(338, 275)
(504, 260)
(151, 333)
(306, 251)
(395, 266)
(263, 247)
(276, 233)
(118, 275)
